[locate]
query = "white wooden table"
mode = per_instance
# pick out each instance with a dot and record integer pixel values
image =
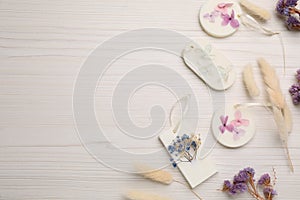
(42, 47)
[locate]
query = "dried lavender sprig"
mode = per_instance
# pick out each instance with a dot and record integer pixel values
(295, 89)
(288, 9)
(244, 181)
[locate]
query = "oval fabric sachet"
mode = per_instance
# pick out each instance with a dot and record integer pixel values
(210, 65)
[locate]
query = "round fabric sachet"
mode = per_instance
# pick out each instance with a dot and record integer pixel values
(233, 127)
(220, 18)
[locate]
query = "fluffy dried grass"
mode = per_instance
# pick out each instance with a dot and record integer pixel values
(281, 112)
(139, 195)
(249, 81)
(255, 10)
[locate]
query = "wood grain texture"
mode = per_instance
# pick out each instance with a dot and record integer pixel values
(42, 47)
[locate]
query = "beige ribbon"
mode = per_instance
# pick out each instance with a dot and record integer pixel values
(253, 24)
(185, 102)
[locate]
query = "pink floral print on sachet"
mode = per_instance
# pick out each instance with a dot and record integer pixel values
(230, 19)
(225, 126)
(238, 120)
(223, 7)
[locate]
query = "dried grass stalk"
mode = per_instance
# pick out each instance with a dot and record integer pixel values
(255, 10)
(138, 195)
(282, 114)
(160, 176)
(280, 122)
(288, 118)
(249, 81)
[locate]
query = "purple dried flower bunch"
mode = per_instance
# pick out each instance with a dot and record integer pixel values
(184, 148)
(288, 9)
(244, 182)
(295, 89)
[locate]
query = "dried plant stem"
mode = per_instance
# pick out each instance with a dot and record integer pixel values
(275, 177)
(294, 11)
(255, 195)
(289, 157)
(189, 189)
(288, 118)
(253, 191)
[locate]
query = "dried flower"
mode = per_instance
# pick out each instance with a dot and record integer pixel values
(211, 16)
(250, 171)
(230, 19)
(295, 89)
(234, 188)
(226, 186)
(238, 188)
(224, 126)
(184, 148)
(288, 9)
(292, 22)
(265, 179)
(244, 181)
(223, 7)
(291, 2)
(269, 193)
(241, 177)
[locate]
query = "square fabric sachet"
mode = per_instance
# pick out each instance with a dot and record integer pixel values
(195, 172)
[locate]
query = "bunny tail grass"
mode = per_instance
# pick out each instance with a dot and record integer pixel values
(255, 10)
(159, 176)
(281, 112)
(138, 195)
(249, 81)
